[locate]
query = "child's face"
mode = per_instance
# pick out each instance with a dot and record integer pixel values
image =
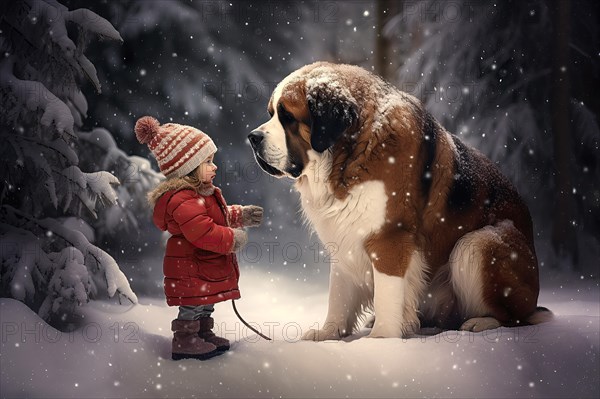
(206, 172)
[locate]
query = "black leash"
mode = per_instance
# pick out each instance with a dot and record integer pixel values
(246, 324)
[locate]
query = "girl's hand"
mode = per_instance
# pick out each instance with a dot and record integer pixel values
(252, 215)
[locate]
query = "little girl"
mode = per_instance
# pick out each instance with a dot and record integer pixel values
(200, 265)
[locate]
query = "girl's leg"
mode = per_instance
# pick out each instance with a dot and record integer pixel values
(195, 312)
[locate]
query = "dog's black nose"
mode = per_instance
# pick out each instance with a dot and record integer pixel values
(256, 137)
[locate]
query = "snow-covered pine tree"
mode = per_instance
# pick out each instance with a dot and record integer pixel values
(484, 69)
(48, 259)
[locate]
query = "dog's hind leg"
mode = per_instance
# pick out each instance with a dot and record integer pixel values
(494, 276)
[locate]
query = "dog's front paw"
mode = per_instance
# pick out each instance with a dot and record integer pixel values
(320, 335)
(478, 324)
(329, 332)
(393, 330)
(384, 333)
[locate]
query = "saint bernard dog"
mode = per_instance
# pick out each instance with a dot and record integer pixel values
(428, 231)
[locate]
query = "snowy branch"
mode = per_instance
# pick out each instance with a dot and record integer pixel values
(34, 95)
(56, 17)
(136, 172)
(92, 22)
(100, 151)
(96, 259)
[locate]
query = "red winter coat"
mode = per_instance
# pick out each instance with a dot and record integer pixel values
(200, 266)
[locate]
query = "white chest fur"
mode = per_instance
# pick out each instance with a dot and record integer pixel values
(342, 225)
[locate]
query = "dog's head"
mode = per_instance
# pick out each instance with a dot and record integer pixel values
(310, 110)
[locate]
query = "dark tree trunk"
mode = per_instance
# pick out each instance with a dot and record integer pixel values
(564, 238)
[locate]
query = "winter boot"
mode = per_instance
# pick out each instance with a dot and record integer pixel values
(187, 344)
(206, 326)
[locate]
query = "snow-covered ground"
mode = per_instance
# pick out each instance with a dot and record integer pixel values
(124, 351)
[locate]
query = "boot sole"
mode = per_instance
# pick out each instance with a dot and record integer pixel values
(202, 356)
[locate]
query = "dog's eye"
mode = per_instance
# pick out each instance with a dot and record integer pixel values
(284, 115)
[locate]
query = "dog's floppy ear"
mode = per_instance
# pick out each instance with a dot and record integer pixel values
(332, 114)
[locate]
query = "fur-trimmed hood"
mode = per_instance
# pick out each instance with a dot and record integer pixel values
(177, 184)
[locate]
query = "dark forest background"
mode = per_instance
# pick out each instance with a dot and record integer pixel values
(517, 79)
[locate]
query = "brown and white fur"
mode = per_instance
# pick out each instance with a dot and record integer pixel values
(427, 230)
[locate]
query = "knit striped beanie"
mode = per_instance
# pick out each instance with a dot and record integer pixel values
(179, 149)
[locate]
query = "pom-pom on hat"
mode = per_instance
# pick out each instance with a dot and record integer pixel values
(179, 149)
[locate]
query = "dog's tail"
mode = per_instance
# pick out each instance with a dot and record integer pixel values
(540, 315)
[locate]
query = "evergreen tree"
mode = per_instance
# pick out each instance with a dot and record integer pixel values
(56, 179)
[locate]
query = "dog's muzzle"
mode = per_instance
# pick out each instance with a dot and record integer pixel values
(256, 138)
